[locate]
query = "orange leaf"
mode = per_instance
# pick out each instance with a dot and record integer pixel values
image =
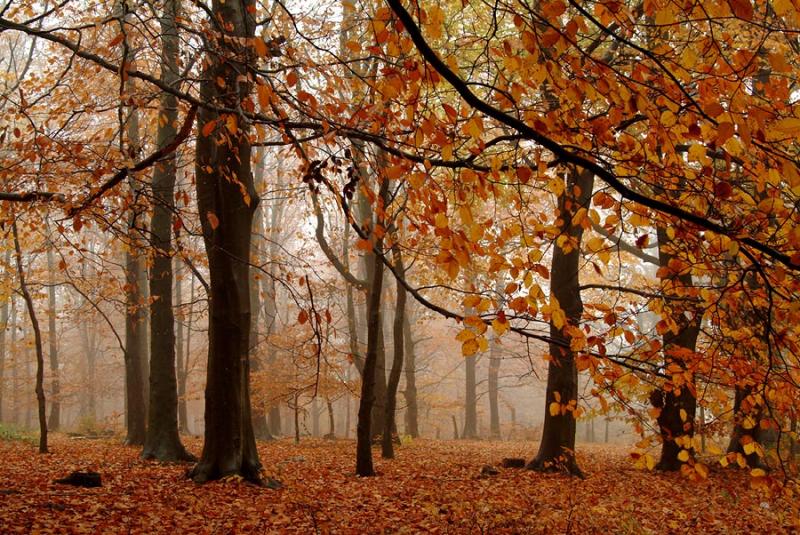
(213, 220)
(208, 128)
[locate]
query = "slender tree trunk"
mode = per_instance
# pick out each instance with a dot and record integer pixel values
(4, 308)
(410, 392)
(136, 373)
(494, 377)
(226, 200)
(315, 414)
(180, 357)
(494, 374)
(260, 424)
(52, 342)
(676, 399)
(37, 338)
(162, 441)
(387, 448)
(15, 363)
(331, 419)
(470, 429)
(372, 373)
(557, 448)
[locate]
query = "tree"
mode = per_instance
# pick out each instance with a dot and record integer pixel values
(226, 200)
(162, 441)
(557, 448)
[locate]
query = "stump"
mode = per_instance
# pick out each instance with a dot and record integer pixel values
(81, 479)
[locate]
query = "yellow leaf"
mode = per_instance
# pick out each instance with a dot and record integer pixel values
(558, 318)
(650, 461)
(441, 220)
(500, 327)
(555, 408)
(683, 456)
(789, 127)
(758, 472)
(464, 335)
(469, 347)
(701, 469)
(683, 415)
(231, 123)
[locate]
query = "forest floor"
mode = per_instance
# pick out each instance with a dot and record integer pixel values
(432, 486)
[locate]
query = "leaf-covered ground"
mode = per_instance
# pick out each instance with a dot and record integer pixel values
(432, 487)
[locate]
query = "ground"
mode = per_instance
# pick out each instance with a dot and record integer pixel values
(433, 487)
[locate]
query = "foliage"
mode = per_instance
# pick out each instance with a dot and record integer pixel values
(431, 486)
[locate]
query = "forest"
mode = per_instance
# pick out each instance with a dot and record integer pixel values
(399, 266)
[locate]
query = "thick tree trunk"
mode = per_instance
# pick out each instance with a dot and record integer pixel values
(557, 448)
(52, 344)
(37, 338)
(226, 200)
(387, 448)
(746, 426)
(162, 440)
(676, 400)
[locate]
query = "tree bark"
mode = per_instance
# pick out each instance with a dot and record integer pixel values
(370, 377)
(745, 410)
(494, 374)
(37, 338)
(180, 357)
(226, 200)
(260, 424)
(557, 448)
(677, 402)
(470, 429)
(162, 441)
(387, 448)
(136, 373)
(410, 392)
(52, 343)
(4, 308)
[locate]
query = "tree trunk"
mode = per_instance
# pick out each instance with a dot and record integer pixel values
(226, 200)
(494, 373)
(52, 342)
(162, 441)
(470, 429)
(37, 338)
(15, 363)
(675, 400)
(180, 357)
(260, 424)
(387, 448)
(557, 448)
(136, 375)
(4, 308)
(372, 373)
(746, 426)
(331, 419)
(410, 392)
